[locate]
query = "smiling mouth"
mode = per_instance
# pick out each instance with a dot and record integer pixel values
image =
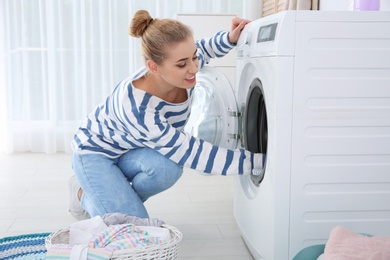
(191, 80)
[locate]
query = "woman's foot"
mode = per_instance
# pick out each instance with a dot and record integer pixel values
(75, 193)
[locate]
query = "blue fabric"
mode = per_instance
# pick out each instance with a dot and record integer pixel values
(31, 246)
(122, 185)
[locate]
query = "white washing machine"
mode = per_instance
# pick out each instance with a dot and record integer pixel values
(323, 81)
(313, 93)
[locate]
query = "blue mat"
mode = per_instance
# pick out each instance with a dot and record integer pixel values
(23, 247)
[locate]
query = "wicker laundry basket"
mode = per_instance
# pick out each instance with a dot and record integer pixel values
(168, 250)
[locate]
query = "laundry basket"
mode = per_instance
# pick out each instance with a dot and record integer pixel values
(310, 252)
(313, 252)
(167, 250)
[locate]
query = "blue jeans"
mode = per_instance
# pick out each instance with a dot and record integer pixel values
(123, 184)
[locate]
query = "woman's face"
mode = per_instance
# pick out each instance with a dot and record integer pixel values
(180, 66)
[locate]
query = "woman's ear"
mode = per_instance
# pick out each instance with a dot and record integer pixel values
(152, 66)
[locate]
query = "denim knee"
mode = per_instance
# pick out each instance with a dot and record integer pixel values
(149, 171)
(171, 175)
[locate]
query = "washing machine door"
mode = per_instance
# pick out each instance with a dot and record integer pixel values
(214, 113)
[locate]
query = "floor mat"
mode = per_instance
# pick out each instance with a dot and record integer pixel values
(30, 246)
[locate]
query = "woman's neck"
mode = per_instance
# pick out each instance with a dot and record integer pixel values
(156, 86)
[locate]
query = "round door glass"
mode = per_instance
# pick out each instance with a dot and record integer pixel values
(205, 121)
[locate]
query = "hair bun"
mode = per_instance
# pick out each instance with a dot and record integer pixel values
(140, 23)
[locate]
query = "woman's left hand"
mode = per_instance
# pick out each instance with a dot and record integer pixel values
(237, 25)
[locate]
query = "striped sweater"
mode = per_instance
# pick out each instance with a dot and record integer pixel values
(131, 118)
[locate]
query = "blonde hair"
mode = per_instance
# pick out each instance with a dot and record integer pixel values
(157, 34)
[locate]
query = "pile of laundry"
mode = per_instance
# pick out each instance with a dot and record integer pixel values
(98, 238)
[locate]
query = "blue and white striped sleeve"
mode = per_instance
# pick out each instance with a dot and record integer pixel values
(145, 119)
(214, 47)
(188, 151)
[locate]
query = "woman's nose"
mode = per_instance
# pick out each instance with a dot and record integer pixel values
(194, 67)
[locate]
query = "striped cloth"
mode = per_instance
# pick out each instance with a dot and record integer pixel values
(31, 246)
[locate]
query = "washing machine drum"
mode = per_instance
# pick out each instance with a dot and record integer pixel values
(255, 129)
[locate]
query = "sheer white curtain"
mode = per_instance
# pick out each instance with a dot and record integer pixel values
(60, 58)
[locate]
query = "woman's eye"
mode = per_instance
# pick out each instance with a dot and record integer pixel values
(182, 65)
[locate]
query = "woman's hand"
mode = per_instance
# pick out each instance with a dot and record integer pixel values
(237, 25)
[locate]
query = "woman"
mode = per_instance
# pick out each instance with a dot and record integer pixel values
(132, 146)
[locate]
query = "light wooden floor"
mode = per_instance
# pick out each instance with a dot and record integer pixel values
(34, 199)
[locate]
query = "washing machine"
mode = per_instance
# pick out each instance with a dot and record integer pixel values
(314, 88)
(312, 92)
